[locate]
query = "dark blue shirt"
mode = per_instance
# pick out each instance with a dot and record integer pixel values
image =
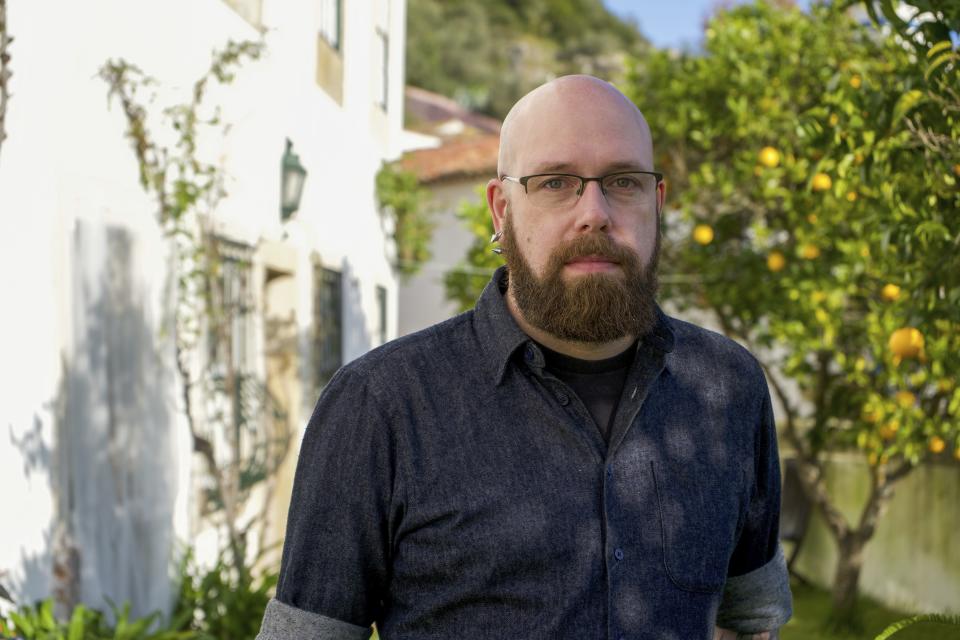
(449, 487)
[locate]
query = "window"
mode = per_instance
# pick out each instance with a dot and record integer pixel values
(231, 328)
(381, 53)
(328, 324)
(330, 22)
(330, 49)
(382, 313)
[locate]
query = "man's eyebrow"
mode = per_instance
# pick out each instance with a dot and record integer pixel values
(553, 167)
(627, 166)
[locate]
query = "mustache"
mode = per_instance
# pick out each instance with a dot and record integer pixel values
(598, 245)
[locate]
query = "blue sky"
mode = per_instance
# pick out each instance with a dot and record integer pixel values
(671, 23)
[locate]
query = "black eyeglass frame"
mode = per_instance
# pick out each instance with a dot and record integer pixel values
(583, 179)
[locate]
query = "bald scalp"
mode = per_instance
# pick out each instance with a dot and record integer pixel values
(582, 93)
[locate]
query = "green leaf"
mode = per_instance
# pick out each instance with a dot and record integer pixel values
(47, 621)
(23, 624)
(939, 48)
(938, 62)
(76, 628)
(906, 103)
(933, 230)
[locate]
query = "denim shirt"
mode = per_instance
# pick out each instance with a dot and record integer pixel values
(449, 487)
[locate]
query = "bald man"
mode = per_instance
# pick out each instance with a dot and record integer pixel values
(563, 461)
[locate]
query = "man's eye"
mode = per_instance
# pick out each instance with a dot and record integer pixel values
(555, 183)
(625, 182)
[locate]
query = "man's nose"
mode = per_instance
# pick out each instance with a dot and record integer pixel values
(593, 209)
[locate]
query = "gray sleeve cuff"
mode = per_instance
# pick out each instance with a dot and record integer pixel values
(284, 622)
(757, 601)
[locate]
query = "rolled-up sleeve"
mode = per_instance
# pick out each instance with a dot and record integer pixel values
(283, 622)
(757, 601)
(757, 595)
(336, 553)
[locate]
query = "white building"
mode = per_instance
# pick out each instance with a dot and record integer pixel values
(96, 464)
(453, 152)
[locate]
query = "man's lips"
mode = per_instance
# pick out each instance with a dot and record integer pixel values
(592, 263)
(592, 259)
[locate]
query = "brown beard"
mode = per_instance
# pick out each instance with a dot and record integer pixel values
(591, 308)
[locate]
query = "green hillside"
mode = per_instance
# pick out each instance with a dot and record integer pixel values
(486, 55)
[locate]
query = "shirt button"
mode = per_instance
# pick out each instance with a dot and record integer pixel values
(563, 398)
(609, 471)
(528, 354)
(618, 554)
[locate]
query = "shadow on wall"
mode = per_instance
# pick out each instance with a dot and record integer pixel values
(35, 568)
(115, 479)
(356, 336)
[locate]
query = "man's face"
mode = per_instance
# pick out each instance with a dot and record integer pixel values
(584, 272)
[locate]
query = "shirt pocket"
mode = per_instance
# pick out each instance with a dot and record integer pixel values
(700, 511)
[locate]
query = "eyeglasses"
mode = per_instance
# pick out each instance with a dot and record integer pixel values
(622, 189)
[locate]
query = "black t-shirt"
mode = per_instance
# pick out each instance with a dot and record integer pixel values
(598, 383)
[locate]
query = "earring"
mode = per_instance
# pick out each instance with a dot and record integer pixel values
(496, 238)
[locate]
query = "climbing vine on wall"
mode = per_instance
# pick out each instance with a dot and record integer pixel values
(186, 190)
(5, 72)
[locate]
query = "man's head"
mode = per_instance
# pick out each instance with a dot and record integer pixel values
(585, 270)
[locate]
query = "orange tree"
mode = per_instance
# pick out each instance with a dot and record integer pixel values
(813, 165)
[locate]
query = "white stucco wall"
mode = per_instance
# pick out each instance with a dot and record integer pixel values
(68, 180)
(422, 296)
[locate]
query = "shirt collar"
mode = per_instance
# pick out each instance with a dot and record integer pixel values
(501, 336)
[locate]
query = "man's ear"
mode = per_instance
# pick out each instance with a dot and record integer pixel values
(497, 203)
(661, 195)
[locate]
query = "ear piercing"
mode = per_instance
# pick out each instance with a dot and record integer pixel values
(496, 238)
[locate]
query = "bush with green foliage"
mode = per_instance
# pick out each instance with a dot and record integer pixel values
(37, 622)
(403, 200)
(222, 602)
(464, 283)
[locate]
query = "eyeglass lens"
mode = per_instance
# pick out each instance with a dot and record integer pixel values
(620, 189)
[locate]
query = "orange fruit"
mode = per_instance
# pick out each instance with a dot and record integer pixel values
(905, 399)
(703, 234)
(851, 196)
(936, 444)
(889, 430)
(776, 261)
(956, 169)
(856, 81)
(821, 182)
(906, 342)
(769, 157)
(890, 292)
(834, 119)
(810, 252)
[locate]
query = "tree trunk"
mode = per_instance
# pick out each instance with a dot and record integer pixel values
(844, 613)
